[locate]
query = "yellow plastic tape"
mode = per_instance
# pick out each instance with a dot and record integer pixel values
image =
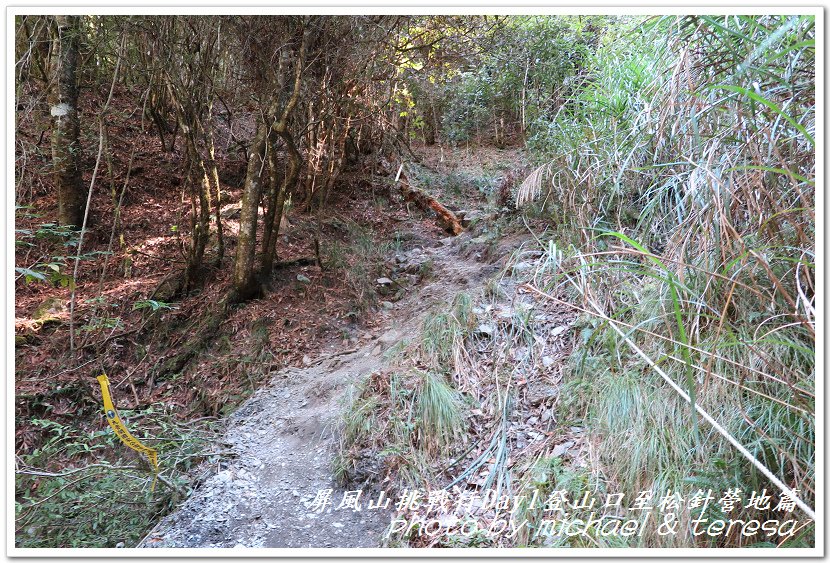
(121, 431)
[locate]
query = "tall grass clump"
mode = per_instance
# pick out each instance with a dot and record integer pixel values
(682, 174)
(409, 416)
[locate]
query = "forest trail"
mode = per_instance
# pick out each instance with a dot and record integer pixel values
(242, 220)
(282, 441)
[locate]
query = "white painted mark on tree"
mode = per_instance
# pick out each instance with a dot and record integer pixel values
(60, 110)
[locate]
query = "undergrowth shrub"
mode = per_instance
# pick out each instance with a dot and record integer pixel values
(683, 176)
(102, 496)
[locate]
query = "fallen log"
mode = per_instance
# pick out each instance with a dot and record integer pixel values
(445, 218)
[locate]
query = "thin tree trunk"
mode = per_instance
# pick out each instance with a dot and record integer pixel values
(220, 237)
(524, 97)
(311, 143)
(244, 282)
(294, 163)
(272, 228)
(200, 218)
(430, 125)
(272, 213)
(336, 165)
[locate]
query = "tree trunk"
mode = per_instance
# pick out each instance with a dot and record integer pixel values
(244, 282)
(430, 125)
(336, 164)
(63, 101)
(200, 215)
(220, 237)
(311, 143)
(274, 202)
(279, 194)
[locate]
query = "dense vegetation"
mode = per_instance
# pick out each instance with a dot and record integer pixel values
(671, 162)
(684, 176)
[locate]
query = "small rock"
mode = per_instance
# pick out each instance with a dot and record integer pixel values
(561, 448)
(50, 309)
(389, 337)
(231, 211)
(486, 329)
(546, 416)
(522, 267)
(119, 545)
(303, 279)
(520, 353)
(388, 305)
(384, 281)
(557, 331)
(470, 217)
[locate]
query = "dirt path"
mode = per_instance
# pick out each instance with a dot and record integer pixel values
(283, 439)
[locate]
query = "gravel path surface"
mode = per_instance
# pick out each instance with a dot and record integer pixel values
(283, 439)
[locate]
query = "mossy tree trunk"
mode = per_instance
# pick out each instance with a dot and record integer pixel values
(66, 125)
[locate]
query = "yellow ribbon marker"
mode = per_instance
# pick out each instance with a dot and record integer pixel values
(121, 431)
